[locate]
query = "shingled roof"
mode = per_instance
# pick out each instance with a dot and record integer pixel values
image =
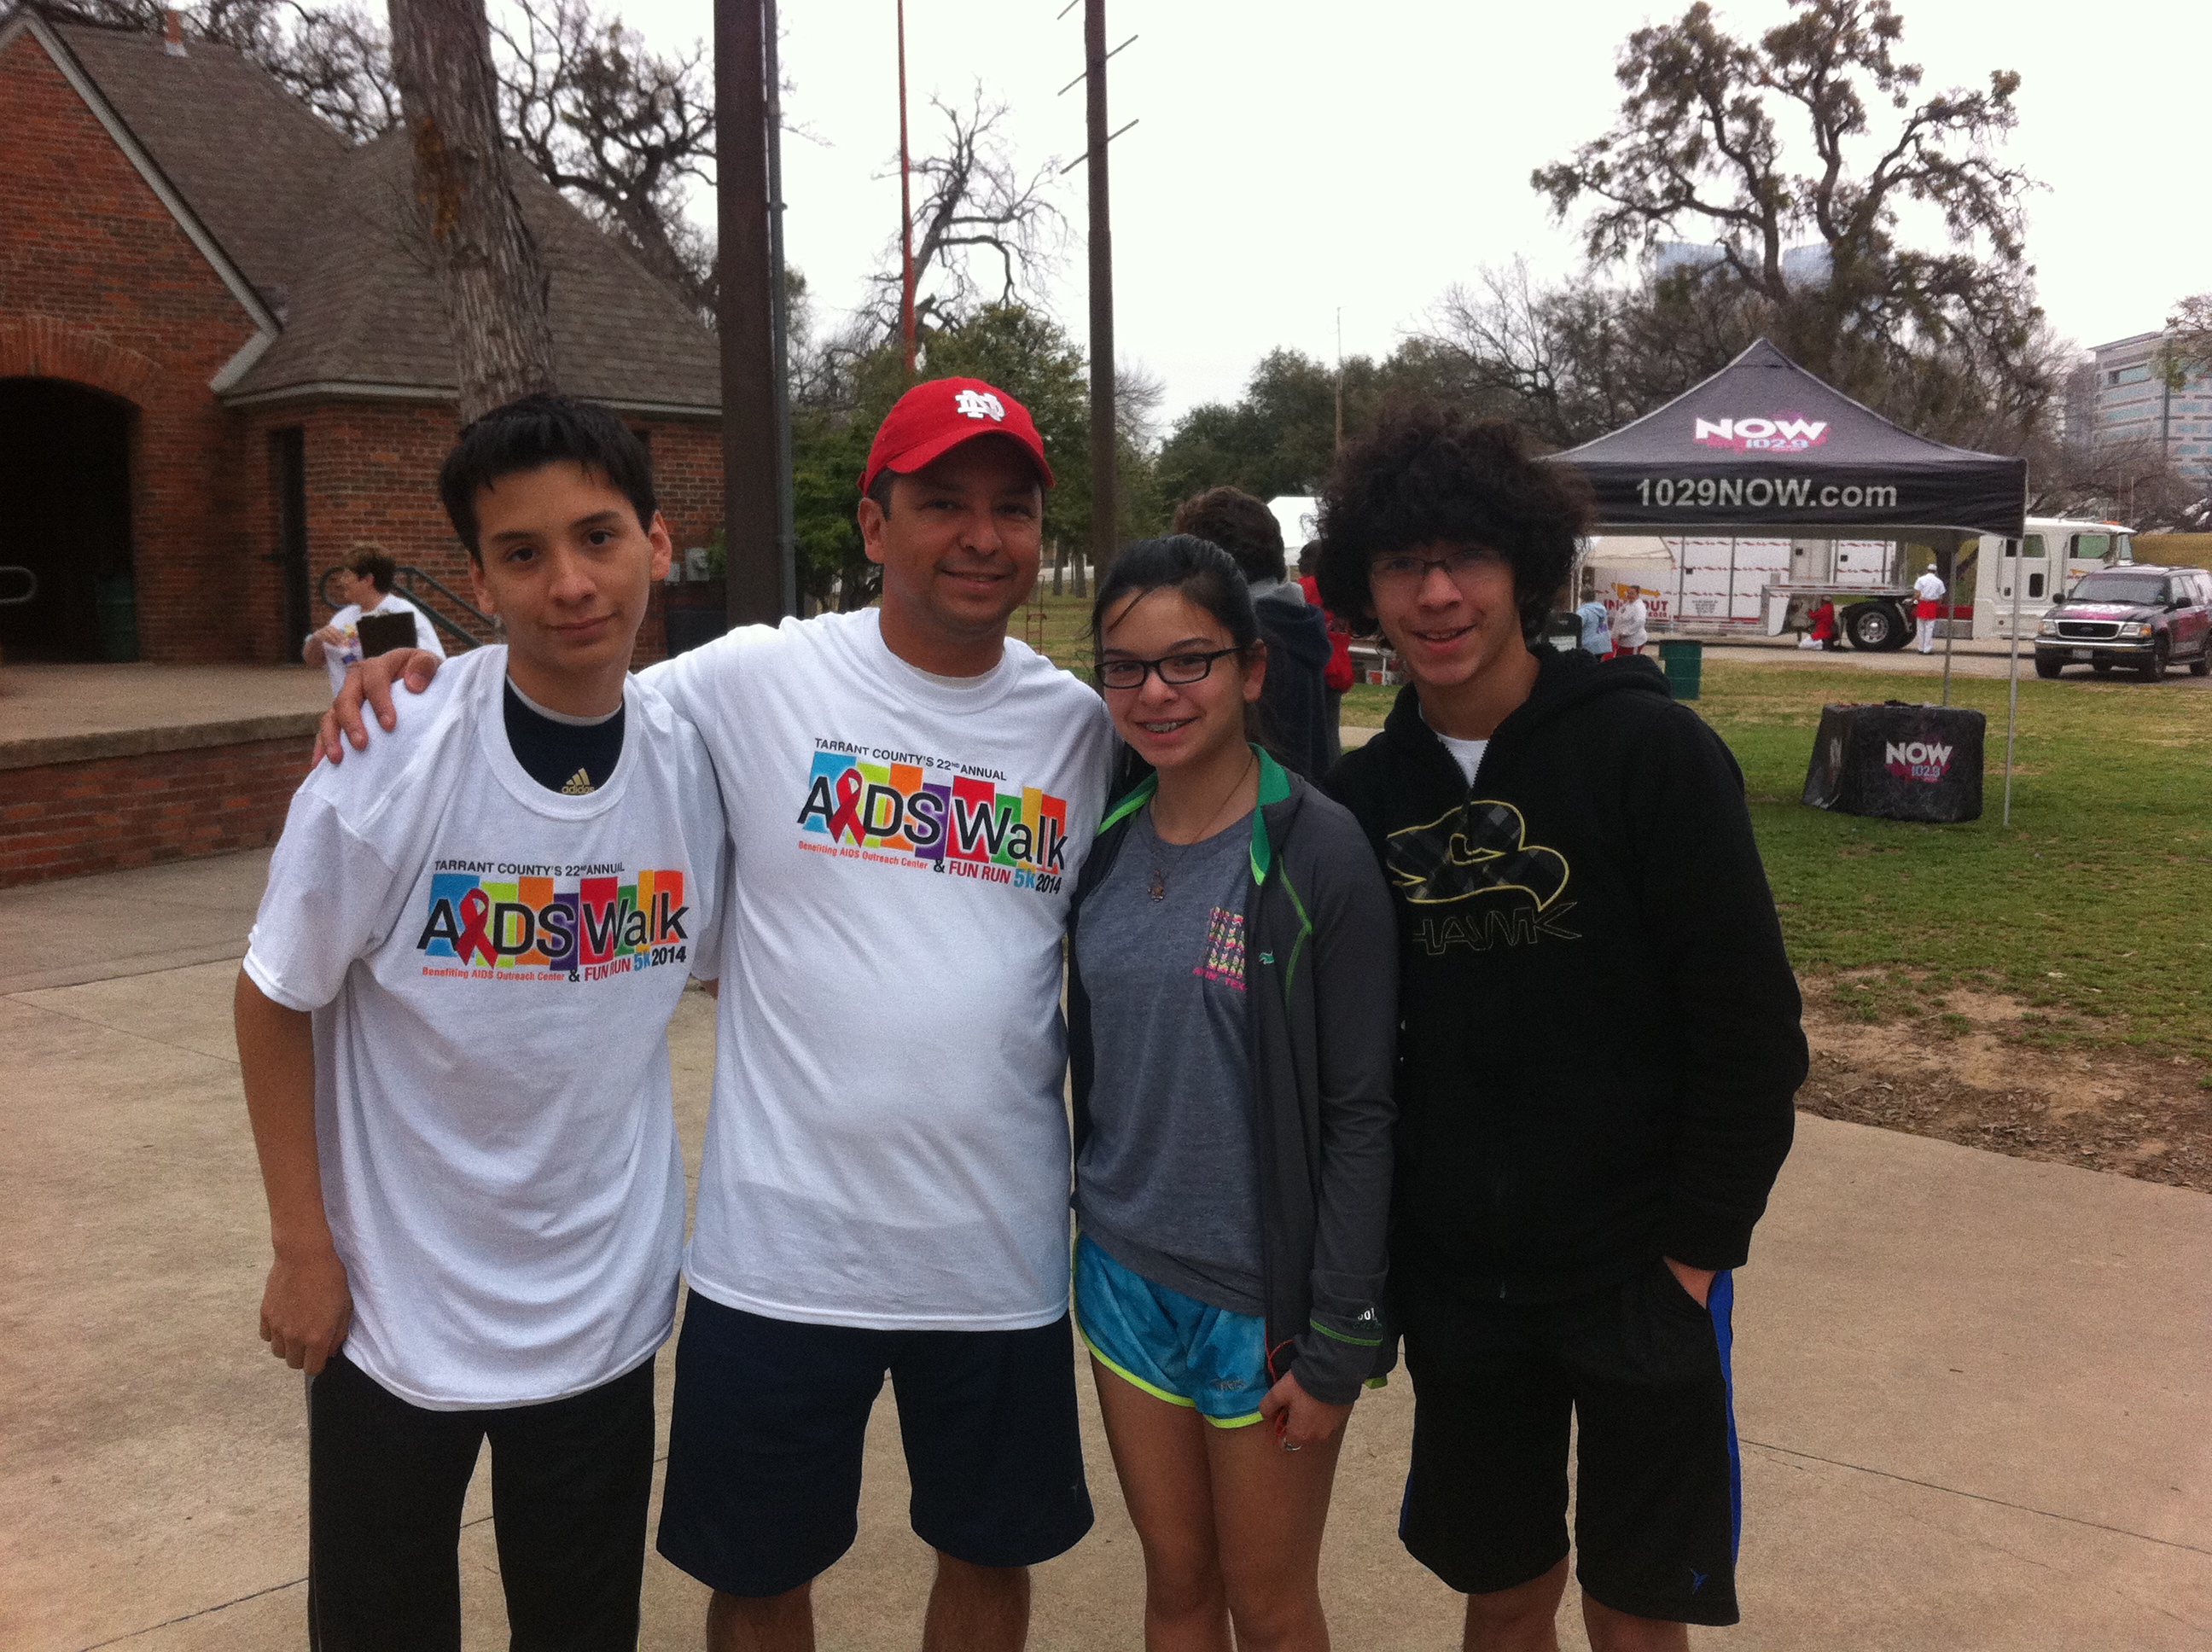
(327, 232)
(251, 159)
(365, 309)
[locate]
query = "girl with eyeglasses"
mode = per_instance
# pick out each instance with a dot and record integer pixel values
(1232, 1026)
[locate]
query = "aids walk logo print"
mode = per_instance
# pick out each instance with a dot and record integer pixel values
(931, 814)
(1477, 859)
(499, 920)
(1224, 948)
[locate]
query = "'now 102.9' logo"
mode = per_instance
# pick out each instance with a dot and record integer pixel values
(1785, 433)
(1918, 760)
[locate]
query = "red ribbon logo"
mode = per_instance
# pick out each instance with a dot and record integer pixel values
(476, 907)
(846, 817)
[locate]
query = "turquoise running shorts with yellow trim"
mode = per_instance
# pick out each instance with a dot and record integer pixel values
(1174, 1347)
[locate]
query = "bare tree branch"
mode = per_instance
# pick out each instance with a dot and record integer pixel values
(986, 231)
(620, 130)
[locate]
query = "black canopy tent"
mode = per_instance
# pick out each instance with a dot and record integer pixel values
(1765, 445)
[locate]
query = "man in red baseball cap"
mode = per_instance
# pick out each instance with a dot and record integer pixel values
(960, 467)
(910, 795)
(933, 419)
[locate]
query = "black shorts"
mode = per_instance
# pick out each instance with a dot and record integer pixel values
(570, 1480)
(1643, 1371)
(765, 1433)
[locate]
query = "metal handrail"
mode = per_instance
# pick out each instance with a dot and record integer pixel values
(407, 574)
(28, 596)
(411, 574)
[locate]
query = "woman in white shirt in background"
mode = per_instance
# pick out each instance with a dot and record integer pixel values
(362, 584)
(1629, 635)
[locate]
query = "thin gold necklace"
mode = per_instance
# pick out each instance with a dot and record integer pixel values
(1158, 888)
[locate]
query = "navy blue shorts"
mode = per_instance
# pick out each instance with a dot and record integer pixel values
(1644, 1370)
(765, 1436)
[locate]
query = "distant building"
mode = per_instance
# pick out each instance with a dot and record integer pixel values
(1678, 257)
(1811, 265)
(2135, 404)
(224, 363)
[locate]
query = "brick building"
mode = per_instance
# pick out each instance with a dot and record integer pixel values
(224, 363)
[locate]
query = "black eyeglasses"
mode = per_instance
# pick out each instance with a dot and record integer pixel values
(1406, 569)
(1176, 669)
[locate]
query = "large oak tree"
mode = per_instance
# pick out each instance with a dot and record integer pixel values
(1816, 135)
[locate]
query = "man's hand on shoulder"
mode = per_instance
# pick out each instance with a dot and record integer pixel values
(372, 680)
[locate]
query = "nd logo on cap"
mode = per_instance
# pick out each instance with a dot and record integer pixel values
(933, 418)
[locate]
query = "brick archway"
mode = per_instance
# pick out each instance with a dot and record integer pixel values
(47, 346)
(70, 519)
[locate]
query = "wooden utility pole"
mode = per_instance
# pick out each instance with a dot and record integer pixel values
(744, 315)
(1105, 508)
(488, 265)
(786, 526)
(906, 209)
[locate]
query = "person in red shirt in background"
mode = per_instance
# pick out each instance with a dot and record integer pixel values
(1337, 676)
(1822, 631)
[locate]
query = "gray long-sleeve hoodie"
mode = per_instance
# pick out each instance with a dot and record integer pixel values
(1321, 959)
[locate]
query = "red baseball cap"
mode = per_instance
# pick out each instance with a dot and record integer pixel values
(933, 418)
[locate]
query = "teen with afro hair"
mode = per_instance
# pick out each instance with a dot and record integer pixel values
(1599, 1046)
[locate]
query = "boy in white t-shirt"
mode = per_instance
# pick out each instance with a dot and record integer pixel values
(363, 585)
(883, 1190)
(452, 1028)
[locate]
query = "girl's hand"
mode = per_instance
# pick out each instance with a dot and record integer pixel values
(1298, 1418)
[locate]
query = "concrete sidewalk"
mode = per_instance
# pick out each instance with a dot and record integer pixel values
(1973, 1389)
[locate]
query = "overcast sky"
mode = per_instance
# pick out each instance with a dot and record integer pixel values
(1293, 157)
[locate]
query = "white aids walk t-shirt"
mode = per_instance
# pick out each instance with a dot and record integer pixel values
(888, 1146)
(336, 661)
(491, 967)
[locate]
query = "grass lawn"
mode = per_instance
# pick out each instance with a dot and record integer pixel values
(2095, 905)
(1066, 629)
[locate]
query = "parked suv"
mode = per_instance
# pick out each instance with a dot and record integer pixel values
(2140, 617)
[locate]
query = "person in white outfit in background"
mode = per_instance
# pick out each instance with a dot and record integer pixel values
(363, 585)
(1929, 589)
(1629, 632)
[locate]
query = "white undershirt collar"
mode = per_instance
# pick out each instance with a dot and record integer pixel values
(552, 716)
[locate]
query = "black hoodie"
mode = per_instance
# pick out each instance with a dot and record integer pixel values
(1294, 698)
(1600, 1043)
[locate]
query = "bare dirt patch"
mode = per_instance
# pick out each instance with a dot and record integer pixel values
(1967, 1067)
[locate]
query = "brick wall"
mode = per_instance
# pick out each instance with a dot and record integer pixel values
(99, 284)
(372, 476)
(61, 820)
